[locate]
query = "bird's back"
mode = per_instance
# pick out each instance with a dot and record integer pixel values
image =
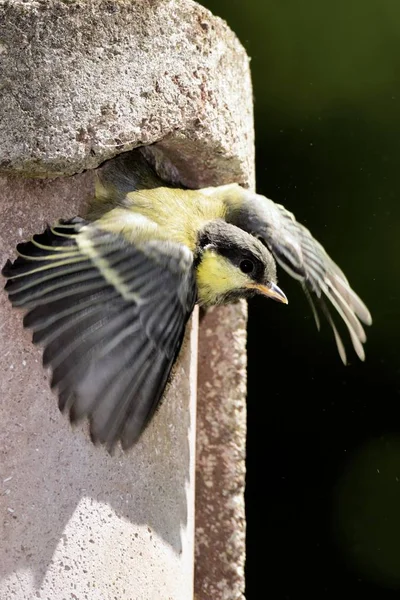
(161, 213)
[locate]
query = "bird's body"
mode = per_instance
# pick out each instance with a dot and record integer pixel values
(137, 219)
(138, 202)
(109, 296)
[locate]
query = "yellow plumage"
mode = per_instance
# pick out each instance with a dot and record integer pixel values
(108, 296)
(153, 213)
(216, 276)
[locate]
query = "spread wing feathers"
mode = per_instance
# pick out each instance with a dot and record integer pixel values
(305, 259)
(111, 318)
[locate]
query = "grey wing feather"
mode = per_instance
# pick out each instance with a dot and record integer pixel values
(295, 249)
(111, 333)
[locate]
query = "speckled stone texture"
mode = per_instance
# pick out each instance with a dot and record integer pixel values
(220, 459)
(76, 522)
(81, 81)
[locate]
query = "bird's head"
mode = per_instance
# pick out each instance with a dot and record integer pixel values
(232, 264)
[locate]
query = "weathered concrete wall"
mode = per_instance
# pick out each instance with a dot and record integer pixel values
(76, 522)
(80, 83)
(83, 81)
(220, 457)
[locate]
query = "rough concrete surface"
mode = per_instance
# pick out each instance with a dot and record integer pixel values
(220, 459)
(82, 81)
(77, 523)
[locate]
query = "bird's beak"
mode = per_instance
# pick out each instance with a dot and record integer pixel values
(271, 291)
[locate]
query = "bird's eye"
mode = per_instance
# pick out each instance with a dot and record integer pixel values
(246, 266)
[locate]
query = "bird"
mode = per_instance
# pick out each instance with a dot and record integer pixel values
(108, 295)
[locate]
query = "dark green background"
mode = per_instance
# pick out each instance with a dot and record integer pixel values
(323, 487)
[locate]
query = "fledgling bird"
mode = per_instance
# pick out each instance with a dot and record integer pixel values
(109, 295)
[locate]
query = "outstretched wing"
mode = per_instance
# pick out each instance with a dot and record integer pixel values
(111, 318)
(295, 249)
(305, 259)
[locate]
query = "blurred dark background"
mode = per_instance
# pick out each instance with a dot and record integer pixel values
(323, 483)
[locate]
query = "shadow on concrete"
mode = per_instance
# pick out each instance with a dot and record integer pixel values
(47, 469)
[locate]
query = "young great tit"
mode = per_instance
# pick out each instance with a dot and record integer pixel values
(109, 296)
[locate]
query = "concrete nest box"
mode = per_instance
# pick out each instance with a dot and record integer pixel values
(83, 81)
(80, 83)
